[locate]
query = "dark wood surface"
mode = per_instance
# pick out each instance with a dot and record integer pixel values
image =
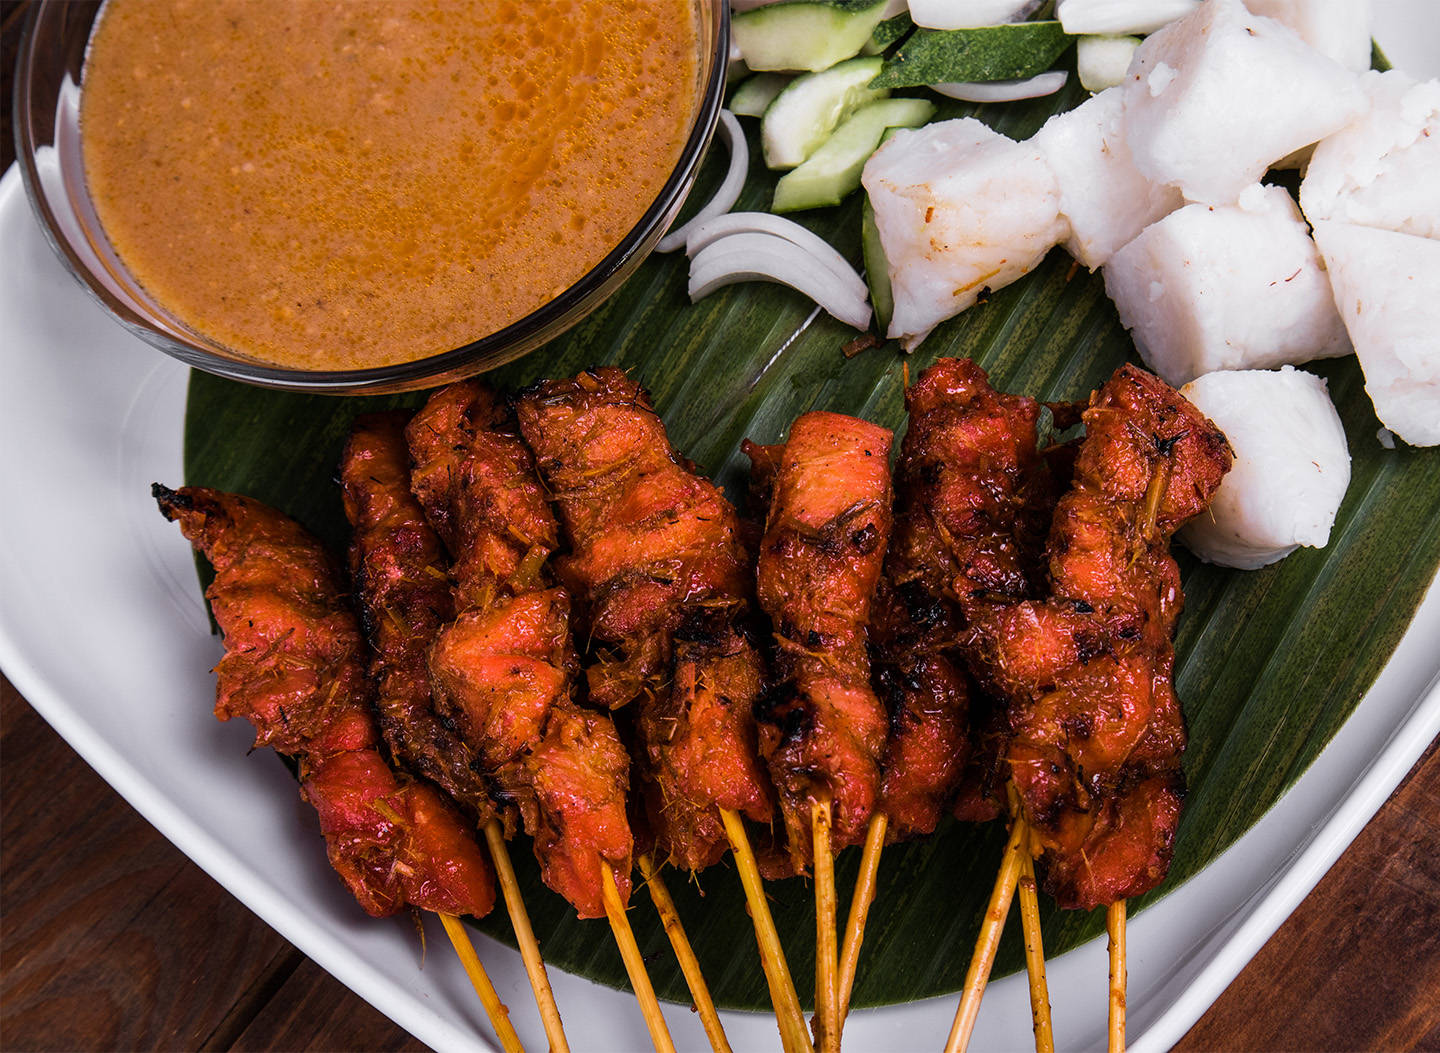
(111, 939)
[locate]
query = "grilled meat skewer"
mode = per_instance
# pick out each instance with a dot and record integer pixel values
(661, 574)
(503, 671)
(294, 667)
(823, 731)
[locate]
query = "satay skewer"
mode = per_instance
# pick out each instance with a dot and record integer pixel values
(480, 980)
(634, 962)
(791, 1021)
(1030, 924)
(827, 1011)
(1115, 926)
(860, 901)
(988, 941)
(684, 953)
(525, 938)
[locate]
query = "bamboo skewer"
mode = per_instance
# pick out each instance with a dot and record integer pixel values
(987, 943)
(480, 980)
(634, 962)
(1115, 926)
(1034, 955)
(525, 937)
(793, 1036)
(827, 1014)
(860, 902)
(685, 954)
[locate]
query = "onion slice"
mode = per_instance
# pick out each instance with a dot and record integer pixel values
(730, 187)
(754, 256)
(735, 223)
(1005, 90)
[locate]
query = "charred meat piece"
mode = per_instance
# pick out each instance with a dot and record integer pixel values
(503, 672)
(823, 730)
(973, 501)
(1095, 731)
(659, 568)
(399, 570)
(294, 666)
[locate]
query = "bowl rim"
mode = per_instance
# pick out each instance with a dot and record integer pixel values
(488, 352)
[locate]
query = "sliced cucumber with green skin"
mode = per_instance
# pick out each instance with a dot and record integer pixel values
(877, 270)
(812, 106)
(946, 56)
(804, 34)
(833, 171)
(755, 94)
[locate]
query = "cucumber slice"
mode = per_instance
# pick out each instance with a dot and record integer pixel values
(877, 269)
(756, 93)
(1102, 61)
(812, 106)
(804, 34)
(947, 56)
(833, 171)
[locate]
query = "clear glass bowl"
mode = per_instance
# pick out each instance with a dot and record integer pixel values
(47, 138)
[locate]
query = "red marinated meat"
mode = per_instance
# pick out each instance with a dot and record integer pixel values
(823, 730)
(294, 667)
(503, 672)
(659, 568)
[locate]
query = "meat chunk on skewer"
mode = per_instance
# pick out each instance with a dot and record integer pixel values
(294, 667)
(659, 568)
(823, 731)
(504, 670)
(974, 499)
(1095, 730)
(399, 570)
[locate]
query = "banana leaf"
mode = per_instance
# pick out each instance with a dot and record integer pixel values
(1270, 662)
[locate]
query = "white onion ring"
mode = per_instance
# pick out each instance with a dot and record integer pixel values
(736, 224)
(766, 257)
(729, 191)
(1005, 90)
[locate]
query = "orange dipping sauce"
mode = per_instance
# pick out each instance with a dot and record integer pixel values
(340, 184)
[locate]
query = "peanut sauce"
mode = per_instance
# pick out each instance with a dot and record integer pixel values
(337, 185)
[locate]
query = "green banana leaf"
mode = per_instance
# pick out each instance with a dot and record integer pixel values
(1270, 662)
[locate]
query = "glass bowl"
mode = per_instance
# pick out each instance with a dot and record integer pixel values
(47, 137)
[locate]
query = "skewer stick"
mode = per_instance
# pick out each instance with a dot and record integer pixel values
(1035, 955)
(689, 964)
(525, 937)
(827, 1012)
(987, 943)
(860, 910)
(793, 1036)
(480, 980)
(1034, 944)
(634, 962)
(1115, 925)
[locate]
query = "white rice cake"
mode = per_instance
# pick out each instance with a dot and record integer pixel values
(1103, 196)
(1382, 170)
(1226, 287)
(1213, 100)
(1291, 466)
(1339, 29)
(1387, 287)
(961, 210)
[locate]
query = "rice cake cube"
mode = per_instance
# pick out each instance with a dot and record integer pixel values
(1382, 169)
(961, 210)
(1103, 196)
(1226, 287)
(1387, 287)
(1291, 467)
(1213, 100)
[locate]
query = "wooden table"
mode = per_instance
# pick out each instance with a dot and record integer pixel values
(111, 939)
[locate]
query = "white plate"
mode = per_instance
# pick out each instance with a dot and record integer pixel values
(102, 629)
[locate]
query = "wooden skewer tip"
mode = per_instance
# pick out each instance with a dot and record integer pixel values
(685, 954)
(634, 962)
(480, 980)
(827, 1012)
